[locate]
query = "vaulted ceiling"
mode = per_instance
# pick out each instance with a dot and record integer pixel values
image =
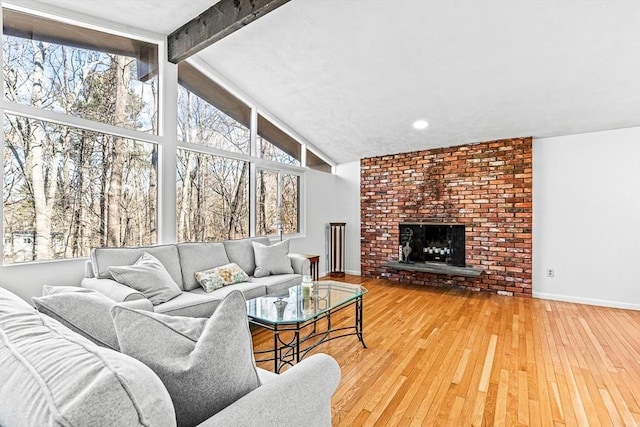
(351, 76)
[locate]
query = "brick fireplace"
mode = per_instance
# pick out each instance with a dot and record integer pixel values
(485, 186)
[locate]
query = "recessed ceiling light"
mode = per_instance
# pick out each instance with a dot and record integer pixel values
(420, 124)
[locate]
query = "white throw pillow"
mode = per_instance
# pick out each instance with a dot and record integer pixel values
(205, 364)
(272, 259)
(148, 276)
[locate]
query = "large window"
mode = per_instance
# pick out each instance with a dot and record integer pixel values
(212, 197)
(80, 72)
(67, 188)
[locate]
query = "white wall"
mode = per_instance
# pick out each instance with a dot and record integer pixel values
(320, 207)
(586, 218)
(348, 210)
(332, 198)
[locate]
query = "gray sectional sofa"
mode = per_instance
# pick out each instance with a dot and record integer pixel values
(51, 375)
(182, 261)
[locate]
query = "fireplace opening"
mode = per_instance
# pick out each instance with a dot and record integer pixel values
(426, 242)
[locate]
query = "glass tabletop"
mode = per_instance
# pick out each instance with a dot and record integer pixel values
(298, 305)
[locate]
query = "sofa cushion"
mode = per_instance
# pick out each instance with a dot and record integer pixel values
(103, 258)
(148, 276)
(52, 376)
(196, 257)
(241, 252)
(248, 289)
(190, 304)
(273, 259)
(206, 364)
(81, 310)
(278, 284)
(225, 275)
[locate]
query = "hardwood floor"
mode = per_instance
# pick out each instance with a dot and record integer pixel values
(454, 357)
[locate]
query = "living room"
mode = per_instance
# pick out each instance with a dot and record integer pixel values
(556, 81)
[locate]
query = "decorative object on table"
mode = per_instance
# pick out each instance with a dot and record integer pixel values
(280, 304)
(307, 285)
(337, 244)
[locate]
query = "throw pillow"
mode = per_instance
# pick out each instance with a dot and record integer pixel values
(148, 276)
(272, 259)
(221, 276)
(205, 364)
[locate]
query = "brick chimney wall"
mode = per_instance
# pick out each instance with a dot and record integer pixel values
(485, 186)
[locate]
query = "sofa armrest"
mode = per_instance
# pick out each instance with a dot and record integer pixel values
(301, 396)
(300, 264)
(88, 269)
(114, 290)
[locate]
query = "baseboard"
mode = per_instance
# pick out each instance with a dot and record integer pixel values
(589, 301)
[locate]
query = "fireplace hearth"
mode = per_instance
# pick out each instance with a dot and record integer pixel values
(429, 242)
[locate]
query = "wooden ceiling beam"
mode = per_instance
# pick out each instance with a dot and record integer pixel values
(217, 22)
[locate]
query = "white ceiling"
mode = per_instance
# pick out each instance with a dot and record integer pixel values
(351, 76)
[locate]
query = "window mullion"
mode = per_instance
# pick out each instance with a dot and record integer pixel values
(253, 173)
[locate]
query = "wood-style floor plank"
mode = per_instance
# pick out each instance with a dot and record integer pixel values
(439, 356)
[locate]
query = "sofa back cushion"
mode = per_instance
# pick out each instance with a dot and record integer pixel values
(103, 258)
(195, 257)
(85, 311)
(52, 376)
(241, 252)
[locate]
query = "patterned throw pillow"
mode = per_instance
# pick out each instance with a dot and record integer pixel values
(221, 276)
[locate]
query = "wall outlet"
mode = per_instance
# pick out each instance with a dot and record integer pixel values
(550, 272)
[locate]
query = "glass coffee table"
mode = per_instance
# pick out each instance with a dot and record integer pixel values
(300, 319)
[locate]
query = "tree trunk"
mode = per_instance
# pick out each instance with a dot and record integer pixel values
(36, 166)
(183, 218)
(236, 203)
(114, 234)
(262, 192)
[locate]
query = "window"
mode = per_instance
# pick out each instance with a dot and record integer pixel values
(67, 188)
(80, 72)
(276, 145)
(212, 197)
(277, 203)
(209, 115)
(316, 163)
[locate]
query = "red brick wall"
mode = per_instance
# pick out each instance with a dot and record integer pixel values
(486, 186)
